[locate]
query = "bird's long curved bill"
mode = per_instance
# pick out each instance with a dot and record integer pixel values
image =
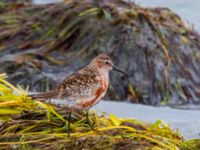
(116, 69)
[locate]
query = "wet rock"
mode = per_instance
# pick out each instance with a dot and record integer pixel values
(153, 45)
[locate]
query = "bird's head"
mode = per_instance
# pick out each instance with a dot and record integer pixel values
(105, 63)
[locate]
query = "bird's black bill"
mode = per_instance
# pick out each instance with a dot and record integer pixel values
(116, 69)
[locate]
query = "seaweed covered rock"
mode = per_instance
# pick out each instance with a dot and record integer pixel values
(40, 44)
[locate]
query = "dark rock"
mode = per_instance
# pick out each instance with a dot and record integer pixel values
(47, 42)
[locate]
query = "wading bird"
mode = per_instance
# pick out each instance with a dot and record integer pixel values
(82, 89)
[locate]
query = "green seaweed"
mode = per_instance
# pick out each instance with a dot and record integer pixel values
(30, 124)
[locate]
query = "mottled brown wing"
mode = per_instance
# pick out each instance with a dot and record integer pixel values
(78, 85)
(43, 96)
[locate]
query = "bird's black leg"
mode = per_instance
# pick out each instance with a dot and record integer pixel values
(69, 122)
(88, 120)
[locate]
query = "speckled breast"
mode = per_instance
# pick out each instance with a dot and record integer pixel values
(94, 99)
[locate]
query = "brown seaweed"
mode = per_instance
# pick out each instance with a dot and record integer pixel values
(153, 45)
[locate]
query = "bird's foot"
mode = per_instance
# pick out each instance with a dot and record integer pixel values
(87, 121)
(68, 125)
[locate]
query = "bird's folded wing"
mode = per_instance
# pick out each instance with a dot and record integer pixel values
(44, 96)
(74, 87)
(78, 86)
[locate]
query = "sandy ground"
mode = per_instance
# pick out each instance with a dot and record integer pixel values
(187, 121)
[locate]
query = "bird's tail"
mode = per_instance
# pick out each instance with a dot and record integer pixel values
(52, 98)
(44, 96)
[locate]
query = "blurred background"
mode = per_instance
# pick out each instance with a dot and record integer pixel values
(188, 10)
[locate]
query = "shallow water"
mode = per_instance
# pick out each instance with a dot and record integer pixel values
(186, 121)
(45, 1)
(188, 10)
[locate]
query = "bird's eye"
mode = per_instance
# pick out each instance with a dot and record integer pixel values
(107, 62)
